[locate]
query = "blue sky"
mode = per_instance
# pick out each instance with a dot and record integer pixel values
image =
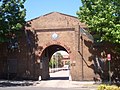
(36, 8)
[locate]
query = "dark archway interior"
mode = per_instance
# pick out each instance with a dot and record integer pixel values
(45, 58)
(49, 51)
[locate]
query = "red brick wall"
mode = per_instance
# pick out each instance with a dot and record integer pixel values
(38, 38)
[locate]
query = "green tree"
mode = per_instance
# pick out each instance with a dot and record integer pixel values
(60, 57)
(52, 63)
(56, 60)
(12, 18)
(102, 18)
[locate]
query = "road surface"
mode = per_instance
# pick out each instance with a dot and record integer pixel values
(58, 81)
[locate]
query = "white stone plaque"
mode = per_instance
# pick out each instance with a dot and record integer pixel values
(54, 36)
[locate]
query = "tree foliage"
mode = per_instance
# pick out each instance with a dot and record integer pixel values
(102, 18)
(12, 18)
(56, 60)
(60, 57)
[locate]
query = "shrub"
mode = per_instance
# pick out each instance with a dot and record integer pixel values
(108, 87)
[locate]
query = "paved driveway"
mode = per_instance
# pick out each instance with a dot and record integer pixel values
(59, 81)
(62, 79)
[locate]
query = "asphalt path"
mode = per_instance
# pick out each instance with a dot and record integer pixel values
(60, 80)
(43, 88)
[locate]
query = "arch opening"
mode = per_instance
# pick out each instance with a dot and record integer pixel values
(55, 60)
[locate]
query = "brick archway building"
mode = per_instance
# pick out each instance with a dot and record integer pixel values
(42, 38)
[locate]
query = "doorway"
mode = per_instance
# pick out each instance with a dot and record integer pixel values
(55, 63)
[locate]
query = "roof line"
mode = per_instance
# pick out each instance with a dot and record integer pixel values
(51, 13)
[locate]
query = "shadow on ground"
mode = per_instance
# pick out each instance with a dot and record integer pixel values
(15, 83)
(59, 78)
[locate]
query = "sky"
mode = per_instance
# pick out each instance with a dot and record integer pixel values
(36, 8)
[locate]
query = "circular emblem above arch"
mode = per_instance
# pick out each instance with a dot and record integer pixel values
(54, 36)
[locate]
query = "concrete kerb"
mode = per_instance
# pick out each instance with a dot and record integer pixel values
(83, 84)
(51, 83)
(68, 84)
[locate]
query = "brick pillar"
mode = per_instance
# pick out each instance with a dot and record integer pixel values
(76, 66)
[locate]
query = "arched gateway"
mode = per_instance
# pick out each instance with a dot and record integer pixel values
(46, 56)
(56, 31)
(50, 33)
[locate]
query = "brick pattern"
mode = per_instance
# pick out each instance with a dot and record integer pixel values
(38, 40)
